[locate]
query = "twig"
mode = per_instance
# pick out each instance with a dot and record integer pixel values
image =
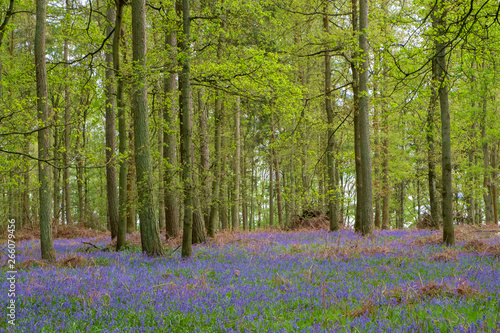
(97, 247)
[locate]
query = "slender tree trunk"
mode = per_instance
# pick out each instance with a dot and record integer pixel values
(66, 182)
(186, 134)
(237, 166)
(385, 172)
(401, 215)
(376, 162)
(277, 177)
(365, 200)
(244, 187)
(26, 190)
(223, 211)
(357, 147)
(332, 185)
(216, 191)
(46, 245)
(488, 202)
(79, 148)
(271, 189)
(131, 188)
(217, 177)
(122, 130)
(170, 178)
(440, 74)
(431, 158)
(198, 229)
(150, 235)
(471, 158)
(204, 158)
(494, 182)
(56, 173)
(111, 183)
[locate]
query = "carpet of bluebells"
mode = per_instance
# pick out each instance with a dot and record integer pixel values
(308, 281)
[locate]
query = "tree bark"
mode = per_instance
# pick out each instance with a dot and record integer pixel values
(494, 181)
(46, 244)
(215, 203)
(122, 130)
(131, 189)
(440, 74)
(67, 129)
(332, 185)
(431, 158)
(111, 183)
(199, 234)
(365, 200)
(488, 202)
(150, 235)
(385, 172)
(355, 97)
(186, 134)
(26, 190)
(236, 200)
(170, 179)
(56, 172)
(271, 189)
(204, 157)
(277, 178)
(216, 189)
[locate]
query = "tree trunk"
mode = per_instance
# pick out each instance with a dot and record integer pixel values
(357, 148)
(198, 229)
(216, 188)
(332, 185)
(111, 183)
(170, 178)
(271, 190)
(401, 210)
(471, 158)
(488, 202)
(217, 177)
(122, 130)
(440, 74)
(56, 173)
(494, 182)
(46, 245)
(235, 215)
(385, 173)
(204, 157)
(244, 188)
(376, 167)
(365, 200)
(66, 182)
(431, 158)
(186, 134)
(26, 190)
(277, 177)
(79, 169)
(131, 189)
(150, 235)
(223, 211)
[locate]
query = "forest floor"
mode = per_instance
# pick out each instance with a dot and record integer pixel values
(267, 281)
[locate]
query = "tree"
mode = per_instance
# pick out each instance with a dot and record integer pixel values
(365, 200)
(440, 73)
(122, 129)
(170, 142)
(235, 215)
(332, 186)
(46, 245)
(111, 184)
(150, 235)
(186, 134)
